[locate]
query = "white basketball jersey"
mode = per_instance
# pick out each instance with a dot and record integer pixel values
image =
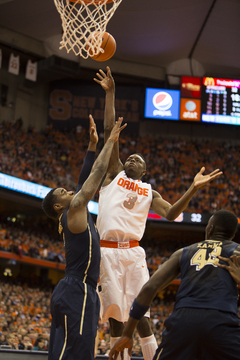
(123, 209)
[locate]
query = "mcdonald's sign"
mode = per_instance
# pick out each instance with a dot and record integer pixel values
(208, 81)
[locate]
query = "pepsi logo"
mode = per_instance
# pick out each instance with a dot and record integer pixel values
(162, 100)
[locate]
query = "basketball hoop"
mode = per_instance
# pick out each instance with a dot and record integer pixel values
(83, 23)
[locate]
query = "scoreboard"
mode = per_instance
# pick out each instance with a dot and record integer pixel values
(221, 101)
(207, 99)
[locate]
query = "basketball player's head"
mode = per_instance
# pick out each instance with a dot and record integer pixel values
(223, 224)
(56, 201)
(135, 166)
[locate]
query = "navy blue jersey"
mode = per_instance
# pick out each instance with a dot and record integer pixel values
(203, 283)
(75, 303)
(82, 251)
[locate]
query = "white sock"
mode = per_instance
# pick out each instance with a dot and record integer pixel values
(113, 341)
(149, 347)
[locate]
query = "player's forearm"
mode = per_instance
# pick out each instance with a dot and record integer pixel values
(109, 114)
(86, 168)
(130, 327)
(176, 209)
(101, 164)
(98, 171)
(147, 293)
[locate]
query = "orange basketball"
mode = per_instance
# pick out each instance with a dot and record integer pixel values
(109, 47)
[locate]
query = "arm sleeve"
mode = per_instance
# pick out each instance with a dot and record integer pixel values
(86, 168)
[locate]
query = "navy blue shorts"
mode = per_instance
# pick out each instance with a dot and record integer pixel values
(75, 315)
(200, 334)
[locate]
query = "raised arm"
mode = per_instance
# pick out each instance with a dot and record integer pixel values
(159, 280)
(90, 156)
(77, 209)
(171, 212)
(107, 83)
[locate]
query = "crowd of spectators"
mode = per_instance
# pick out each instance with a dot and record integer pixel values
(36, 243)
(54, 158)
(25, 317)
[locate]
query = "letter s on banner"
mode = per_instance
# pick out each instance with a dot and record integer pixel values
(60, 100)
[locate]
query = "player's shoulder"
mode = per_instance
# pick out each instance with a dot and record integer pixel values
(175, 258)
(156, 194)
(178, 253)
(237, 251)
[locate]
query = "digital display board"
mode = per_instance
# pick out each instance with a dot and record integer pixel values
(185, 218)
(221, 101)
(23, 186)
(162, 104)
(32, 189)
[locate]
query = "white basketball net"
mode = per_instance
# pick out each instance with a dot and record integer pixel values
(84, 24)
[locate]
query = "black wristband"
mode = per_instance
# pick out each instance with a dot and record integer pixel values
(137, 311)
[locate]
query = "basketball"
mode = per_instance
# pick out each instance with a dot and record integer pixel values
(109, 47)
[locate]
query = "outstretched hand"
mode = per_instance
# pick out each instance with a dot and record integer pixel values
(105, 80)
(117, 129)
(93, 130)
(123, 343)
(201, 179)
(233, 266)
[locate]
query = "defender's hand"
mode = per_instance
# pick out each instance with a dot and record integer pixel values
(233, 266)
(123, 343)
(93, 130)
(116, 130)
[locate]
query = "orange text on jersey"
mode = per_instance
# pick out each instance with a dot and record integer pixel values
(132, 186)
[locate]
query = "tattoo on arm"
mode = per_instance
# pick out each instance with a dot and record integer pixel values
(76, 203)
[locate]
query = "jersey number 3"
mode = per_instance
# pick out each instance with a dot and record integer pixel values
(129, 204)
(199, 258)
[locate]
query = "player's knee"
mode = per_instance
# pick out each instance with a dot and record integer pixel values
(144, 327)
(116, 327)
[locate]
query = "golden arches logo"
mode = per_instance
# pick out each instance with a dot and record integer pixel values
(208, 81)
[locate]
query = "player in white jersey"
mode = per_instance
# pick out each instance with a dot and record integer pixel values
(124, 203)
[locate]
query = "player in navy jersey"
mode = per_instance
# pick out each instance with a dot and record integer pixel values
(75, 302)
(204, 324)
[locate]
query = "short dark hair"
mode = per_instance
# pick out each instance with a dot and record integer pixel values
(141, 156)
(48, 202)
(227, 222)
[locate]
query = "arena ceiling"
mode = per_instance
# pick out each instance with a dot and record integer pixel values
(151, 32)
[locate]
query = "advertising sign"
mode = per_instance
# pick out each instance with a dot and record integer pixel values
(191, 86)
(190, 109)
(162, 104)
